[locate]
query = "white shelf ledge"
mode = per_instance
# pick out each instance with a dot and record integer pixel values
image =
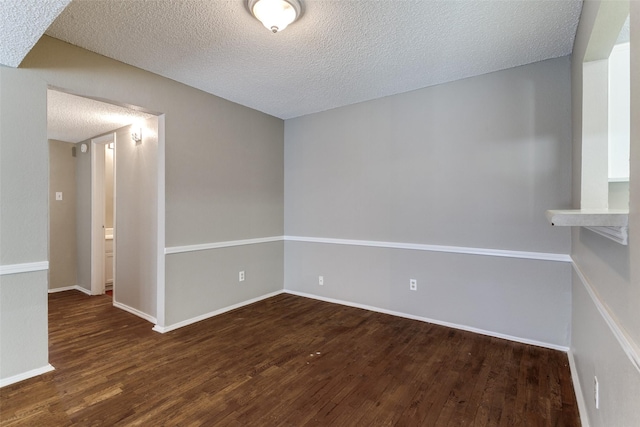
(610, 223)
(589, 217)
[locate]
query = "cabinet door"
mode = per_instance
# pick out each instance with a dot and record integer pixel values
(108, 262)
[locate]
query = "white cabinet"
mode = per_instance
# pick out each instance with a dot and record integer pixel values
(108, 262)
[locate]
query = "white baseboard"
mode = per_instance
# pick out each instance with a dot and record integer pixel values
(70, 288)
(65, 288)
(26, 375)
(134, 311)
(436, 322)
(582, 404)
(83, 290)
(165, 329)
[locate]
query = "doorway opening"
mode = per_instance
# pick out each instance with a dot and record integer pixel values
(116, 241)
(102, 218)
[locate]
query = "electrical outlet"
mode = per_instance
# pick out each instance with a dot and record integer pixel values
(413, 284)
(321, 280)
(58, 195)
(596, 392)
(241, 276)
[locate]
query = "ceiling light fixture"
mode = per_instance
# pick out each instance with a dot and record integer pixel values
(275, 15)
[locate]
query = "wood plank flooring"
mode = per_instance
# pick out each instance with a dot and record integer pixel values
(285, 361)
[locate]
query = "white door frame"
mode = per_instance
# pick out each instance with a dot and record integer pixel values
(97, 212)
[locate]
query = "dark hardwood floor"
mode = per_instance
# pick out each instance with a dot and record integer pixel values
(287, 361)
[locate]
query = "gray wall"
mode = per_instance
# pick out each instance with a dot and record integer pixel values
(237, 194)
(223, 167)
(618, 195)
(62, 215)
(24, 170)
(137, 218)
(212, 276)
(612, 271)
(224, 162)
(473, 163)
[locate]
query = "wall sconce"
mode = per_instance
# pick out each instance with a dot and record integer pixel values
(136, 135)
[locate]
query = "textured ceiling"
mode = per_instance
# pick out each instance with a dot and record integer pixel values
(624, 36)
(340, 52)
(22, 22)
(73, 118)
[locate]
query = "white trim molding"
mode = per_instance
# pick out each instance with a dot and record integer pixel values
(544, 256)
(617, 234)
(628, 346)
(165, 329)
(435, 322)
(27, 267)
(70, 288)
(575, 377)
(161, 225)
(218, 245)
(135, 312)
(26, 375)
(589, 217)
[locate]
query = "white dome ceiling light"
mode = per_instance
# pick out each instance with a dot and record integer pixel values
(275, 15)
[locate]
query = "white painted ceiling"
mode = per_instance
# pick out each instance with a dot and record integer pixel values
(624, 36)
(340, 52)
(73, 118)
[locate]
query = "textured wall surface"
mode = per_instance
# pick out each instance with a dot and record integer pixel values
(611, 271)
(23, 221)
(23, 323)
(470, 163)
(473, 163)
(520, 298)
(224, 162)
(137, 218)
(23, 171)
(62, 215)
(205, 281)
(597, 353)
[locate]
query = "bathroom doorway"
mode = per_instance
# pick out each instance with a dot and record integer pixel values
(103, 214)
